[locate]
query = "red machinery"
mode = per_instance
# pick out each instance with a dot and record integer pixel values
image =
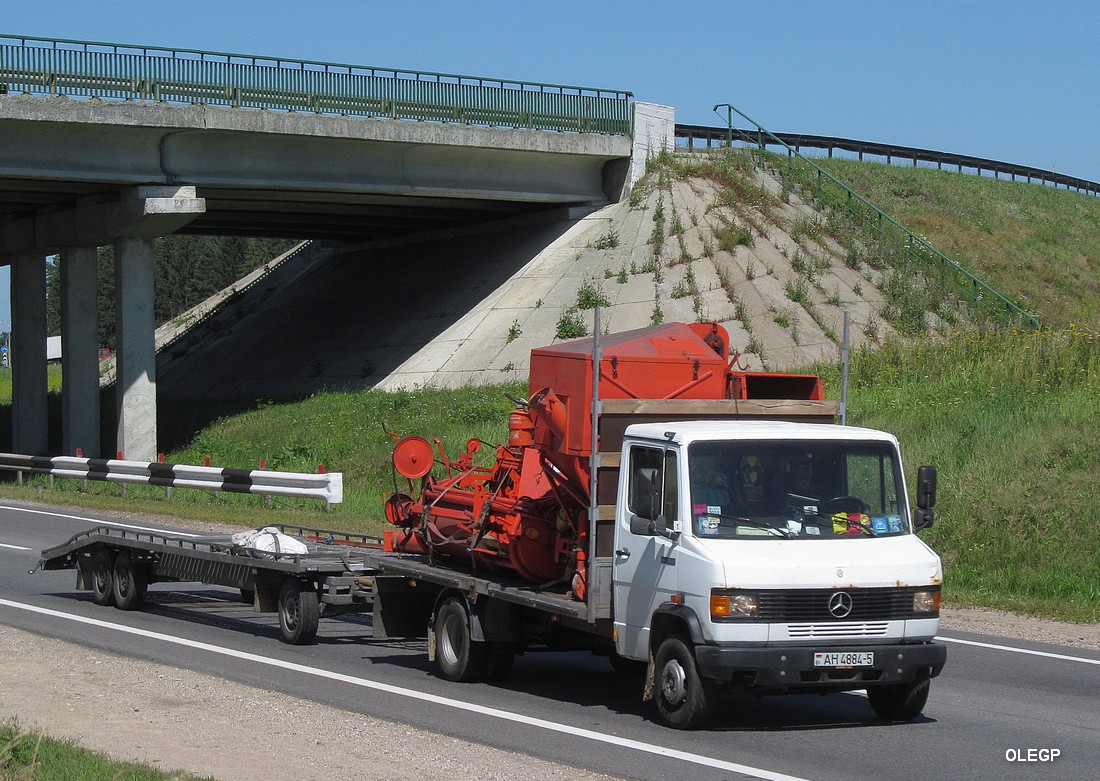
(528, 510)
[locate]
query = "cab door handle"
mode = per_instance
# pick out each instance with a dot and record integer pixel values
(623, 553)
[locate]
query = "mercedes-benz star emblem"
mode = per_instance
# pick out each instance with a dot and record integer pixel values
(840, 604)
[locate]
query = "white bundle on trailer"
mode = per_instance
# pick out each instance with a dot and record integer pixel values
(269, 540)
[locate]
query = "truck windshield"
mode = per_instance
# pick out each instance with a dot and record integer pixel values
(806, 489)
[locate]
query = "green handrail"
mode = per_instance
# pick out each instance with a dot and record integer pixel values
(923, 254)
(46, 66)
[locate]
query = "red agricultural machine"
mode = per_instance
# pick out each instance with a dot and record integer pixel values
(528, 511)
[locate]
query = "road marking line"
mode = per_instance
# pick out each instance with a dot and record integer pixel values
(13, 547)
(496, 713)
(1028, 651)
(99, 521)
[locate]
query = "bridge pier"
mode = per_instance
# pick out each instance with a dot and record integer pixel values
(29, 416)
(130, 224)
(136, 360)
(79, 353)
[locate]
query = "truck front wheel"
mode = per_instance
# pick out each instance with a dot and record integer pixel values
(685, 699)
(458, 656)
(902, 702)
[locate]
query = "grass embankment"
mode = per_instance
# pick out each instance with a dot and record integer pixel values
(31, 755)
(1011, 421)
(1036, 244)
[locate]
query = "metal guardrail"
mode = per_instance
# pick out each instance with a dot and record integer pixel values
(45, 66)
(886, 230)
(892, 152)
(325, 486)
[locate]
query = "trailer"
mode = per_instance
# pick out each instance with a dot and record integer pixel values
(340, 572)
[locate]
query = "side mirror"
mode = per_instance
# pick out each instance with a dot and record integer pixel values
(926, 497)
(643, 527)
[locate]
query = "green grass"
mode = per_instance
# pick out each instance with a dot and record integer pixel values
(1038, 245)
(1011, 421)
(26, 755)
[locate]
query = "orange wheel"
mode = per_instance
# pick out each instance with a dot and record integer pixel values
(413, 457)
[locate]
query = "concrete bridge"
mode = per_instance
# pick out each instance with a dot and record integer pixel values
(112, 145)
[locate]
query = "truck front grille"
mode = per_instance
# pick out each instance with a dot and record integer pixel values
(812, 606)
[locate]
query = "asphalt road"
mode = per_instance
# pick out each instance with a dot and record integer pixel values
(996, 712)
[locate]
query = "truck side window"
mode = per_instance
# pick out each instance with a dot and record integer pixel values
(661, 464)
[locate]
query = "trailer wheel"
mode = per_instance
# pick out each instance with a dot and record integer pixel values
(101, 570)
(129, 583)
(685, 699)
(299, 612)
(458, 656)
(903, 702)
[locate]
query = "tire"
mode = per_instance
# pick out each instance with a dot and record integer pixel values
(101, 573)
(299, 612)
(903, 702)
(458, 657)
(685, 700)
(129, 584)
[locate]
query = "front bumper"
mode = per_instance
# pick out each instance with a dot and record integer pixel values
(782, 668)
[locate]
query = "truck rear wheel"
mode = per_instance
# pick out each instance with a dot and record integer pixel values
(129, 583)
(102, 576)
(299, 612)
(458, 656)
(903, 702)
(685, 699)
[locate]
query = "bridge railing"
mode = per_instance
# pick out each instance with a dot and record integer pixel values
(895, 154)
(887, 235)
(44, 66)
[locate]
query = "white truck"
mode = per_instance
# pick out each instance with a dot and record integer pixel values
(771, 557)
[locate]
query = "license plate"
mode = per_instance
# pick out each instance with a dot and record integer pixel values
(844, 659)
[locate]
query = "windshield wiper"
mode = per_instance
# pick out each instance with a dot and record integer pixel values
(751, 522)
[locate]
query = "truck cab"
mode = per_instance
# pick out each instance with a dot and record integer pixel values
(762, 557)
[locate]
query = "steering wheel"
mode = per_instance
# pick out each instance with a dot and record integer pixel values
(843, 504)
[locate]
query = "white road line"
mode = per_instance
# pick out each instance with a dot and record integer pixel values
(1016, 650)
(496, 713)
(98, 521)
(13, 547)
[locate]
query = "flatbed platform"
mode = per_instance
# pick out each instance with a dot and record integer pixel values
(339, 571)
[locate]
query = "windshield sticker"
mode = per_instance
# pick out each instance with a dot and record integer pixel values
(708, 524)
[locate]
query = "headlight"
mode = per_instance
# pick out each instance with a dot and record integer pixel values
(726, 607)
(926, 601)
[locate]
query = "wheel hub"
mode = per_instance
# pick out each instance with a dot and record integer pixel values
(673, 683)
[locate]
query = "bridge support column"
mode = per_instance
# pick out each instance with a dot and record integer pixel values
(80, 421)
(30, 413)
(136, 359)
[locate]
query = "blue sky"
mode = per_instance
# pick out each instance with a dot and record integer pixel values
(1012, 81)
